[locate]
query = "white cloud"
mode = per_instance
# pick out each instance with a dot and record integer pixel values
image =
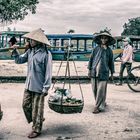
(58, 16)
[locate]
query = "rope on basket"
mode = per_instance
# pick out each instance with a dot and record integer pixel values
(68, 53)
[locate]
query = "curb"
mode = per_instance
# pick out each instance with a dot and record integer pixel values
(73, 79)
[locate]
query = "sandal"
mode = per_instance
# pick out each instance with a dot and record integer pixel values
(33, 134)
(95, 111)
(43, 119)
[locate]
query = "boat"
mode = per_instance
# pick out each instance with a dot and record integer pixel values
(81, 45)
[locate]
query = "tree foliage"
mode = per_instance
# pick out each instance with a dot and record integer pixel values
(12, 10)
(132, 27)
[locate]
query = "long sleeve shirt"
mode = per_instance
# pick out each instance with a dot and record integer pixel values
(39, 73)
(101, 62)
(127, 54)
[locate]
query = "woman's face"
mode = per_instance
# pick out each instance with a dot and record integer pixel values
(125, 43)
(104, 40)
(33, 43)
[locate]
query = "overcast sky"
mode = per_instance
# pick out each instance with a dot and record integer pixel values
(84, 16)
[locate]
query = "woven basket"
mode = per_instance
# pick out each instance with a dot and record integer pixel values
(66, 109)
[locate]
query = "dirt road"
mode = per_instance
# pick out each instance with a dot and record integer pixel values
(121, 121)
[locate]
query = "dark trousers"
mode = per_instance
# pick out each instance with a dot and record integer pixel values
(123, 66)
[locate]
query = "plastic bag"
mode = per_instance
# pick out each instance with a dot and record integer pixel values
(56, 95)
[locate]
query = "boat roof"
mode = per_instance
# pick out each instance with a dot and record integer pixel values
(51, 36)
(70, 36)
(132, 37)
(14, 33)
(66, 36)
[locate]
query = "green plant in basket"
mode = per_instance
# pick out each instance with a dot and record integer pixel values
(60, 91)
(72, 101)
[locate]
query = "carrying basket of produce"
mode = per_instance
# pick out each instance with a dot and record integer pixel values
(61, 100)
(63, 103)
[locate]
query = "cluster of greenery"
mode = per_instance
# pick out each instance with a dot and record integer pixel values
(12, 10)
(132, 27)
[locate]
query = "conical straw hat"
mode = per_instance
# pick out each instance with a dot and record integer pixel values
(38, 35)
(97, 38)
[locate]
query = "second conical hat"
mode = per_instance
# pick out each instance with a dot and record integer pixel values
(38, 35)
(97, 38)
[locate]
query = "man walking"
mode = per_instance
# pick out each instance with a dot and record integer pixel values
(38, 79)
(101, 61)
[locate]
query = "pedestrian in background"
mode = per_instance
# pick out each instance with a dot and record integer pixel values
(100, 62)
(38, 79)
(126, 59)
(12, 41)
